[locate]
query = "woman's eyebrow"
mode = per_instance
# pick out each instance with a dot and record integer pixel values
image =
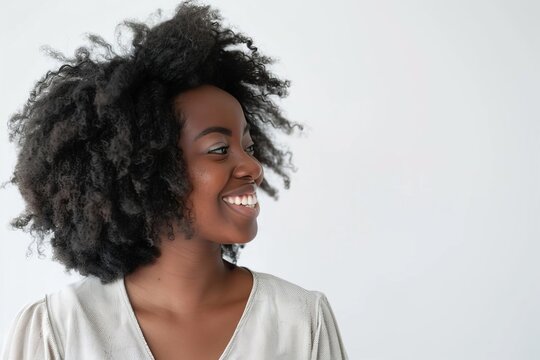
(218, 129)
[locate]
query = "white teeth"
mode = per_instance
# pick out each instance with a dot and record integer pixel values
(245, 200)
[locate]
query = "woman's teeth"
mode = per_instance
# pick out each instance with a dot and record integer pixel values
(245, 200)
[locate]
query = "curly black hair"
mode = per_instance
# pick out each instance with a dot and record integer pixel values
(99, 165)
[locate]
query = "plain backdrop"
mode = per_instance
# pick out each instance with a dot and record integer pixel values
(416, 203)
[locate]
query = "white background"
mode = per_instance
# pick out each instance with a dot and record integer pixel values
(416, 203)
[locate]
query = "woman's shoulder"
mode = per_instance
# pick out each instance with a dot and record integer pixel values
(31, 333)
(82, 315)
(282, 284)
(296, 310)
(87, 305)
(86, 293)
(284, 291)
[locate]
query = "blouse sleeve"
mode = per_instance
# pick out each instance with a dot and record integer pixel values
(30, 336)
(327, 343)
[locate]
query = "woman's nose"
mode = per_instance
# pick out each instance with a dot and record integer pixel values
(248, 166)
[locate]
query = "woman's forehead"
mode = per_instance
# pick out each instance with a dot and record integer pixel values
(209, 106)
(207, 100)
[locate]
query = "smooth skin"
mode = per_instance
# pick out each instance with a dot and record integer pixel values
(189, 302)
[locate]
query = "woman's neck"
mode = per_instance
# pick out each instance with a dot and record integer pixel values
(189, 276)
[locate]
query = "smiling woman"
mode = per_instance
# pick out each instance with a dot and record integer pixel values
(224, 172)
(145, 168)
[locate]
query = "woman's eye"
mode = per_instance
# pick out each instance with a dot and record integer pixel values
(251, 149)
(220, 151)
(223, 150)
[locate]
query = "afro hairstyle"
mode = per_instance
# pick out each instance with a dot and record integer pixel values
(98, 162)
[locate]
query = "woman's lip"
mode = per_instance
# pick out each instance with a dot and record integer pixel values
(242, 190)
(244, 210)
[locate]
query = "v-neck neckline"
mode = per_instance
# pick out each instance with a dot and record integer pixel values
(140, 336)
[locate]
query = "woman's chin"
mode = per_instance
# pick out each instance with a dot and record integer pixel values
(239, 240)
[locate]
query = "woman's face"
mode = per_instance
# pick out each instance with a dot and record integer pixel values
(217, 149)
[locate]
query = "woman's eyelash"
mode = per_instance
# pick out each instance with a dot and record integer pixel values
(250, 149)
(218, 149)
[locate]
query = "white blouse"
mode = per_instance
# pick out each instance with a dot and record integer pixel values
(89, 320)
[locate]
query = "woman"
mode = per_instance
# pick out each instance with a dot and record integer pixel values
(145, 168)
